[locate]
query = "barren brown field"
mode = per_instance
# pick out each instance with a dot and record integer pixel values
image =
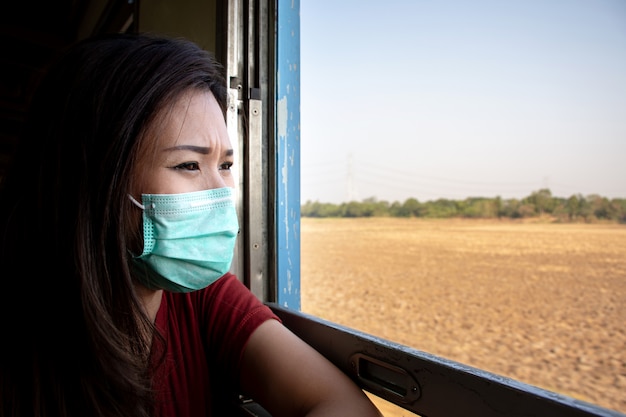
(538, 302)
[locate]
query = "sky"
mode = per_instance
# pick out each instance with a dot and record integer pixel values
(452, 99)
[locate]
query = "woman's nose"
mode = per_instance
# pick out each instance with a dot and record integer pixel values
(215, 180)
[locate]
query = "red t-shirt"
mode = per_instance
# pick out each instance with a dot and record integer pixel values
(205, 334)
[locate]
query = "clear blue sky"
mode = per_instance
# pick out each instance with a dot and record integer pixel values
(457, 98)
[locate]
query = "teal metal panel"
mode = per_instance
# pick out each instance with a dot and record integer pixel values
(288, 153)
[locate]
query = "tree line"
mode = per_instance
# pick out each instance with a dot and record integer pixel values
(576, 208)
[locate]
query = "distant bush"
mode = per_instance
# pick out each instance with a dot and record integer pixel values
(576, 208)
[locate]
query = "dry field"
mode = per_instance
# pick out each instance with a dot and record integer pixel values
(541, 303)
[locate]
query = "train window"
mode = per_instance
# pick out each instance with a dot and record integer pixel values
(462, 183)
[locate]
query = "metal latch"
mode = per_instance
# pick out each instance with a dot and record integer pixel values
(379, 376)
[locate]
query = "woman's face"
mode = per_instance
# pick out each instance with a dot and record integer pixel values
(186, 149)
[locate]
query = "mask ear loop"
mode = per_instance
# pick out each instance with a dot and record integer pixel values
(142, 207)
(137, 203)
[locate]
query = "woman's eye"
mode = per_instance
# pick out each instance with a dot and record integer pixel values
(188, 166)
(226, 166)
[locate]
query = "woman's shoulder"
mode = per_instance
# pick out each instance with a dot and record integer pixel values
(225, 313)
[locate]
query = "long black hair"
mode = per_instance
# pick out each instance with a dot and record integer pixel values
(74, 327)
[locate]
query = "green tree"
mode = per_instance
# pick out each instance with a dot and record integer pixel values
(479, 207)
(441, 208)
(573, 207)
(510, 208)
(542, 201)
(352, 209)
(374, 208)
(411, 208)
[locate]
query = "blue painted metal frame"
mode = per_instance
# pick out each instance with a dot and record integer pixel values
(288, 153)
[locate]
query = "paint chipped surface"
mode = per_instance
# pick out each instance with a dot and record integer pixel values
(281, 118)
(288, 153)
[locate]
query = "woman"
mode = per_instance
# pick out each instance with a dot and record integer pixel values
(117, 234)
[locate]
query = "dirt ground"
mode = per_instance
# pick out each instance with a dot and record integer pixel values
(542, 303)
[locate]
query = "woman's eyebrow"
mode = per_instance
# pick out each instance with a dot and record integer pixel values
(204, 150)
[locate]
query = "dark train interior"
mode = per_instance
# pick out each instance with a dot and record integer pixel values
(31, 34)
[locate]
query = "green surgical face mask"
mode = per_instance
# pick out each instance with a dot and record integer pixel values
(189, 239)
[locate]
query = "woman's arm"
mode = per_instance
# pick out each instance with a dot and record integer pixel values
(290, 378)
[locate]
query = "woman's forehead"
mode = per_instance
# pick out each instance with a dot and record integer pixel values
(193, 118)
